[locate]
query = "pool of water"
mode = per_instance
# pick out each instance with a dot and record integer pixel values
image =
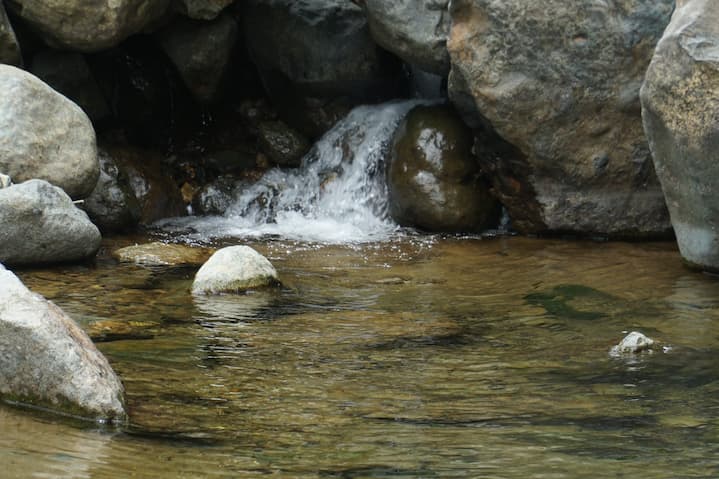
(412, 358)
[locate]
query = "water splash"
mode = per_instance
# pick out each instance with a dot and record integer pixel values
(338, 195)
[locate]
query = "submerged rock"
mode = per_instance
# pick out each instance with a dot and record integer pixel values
(46, 360)
(633, 343)
(162, 254)
(40, 224)
(680, 110)
(560, 82)
(433, 178)
(44, 135)
(233, 270)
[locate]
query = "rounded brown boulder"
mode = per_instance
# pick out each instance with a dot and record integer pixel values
(434, 180)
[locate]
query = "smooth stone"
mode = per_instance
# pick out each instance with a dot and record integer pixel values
(233, 270)
(632, 343)
(162, 254)
(47, 360)
(40, 224)
(44, 135)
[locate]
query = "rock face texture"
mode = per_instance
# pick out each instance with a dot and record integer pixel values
(44, 135)
(9, 48)
(560, 82)
(40, 224)
(433, 179)
(88, 25)
(233, 270)
(311, 52)
(201, 52)
(201, 9)
(414, 30)
(46, 360)
(680, 110)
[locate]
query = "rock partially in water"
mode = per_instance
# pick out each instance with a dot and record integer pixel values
(44, 135)
(433, 178)
(560, 82)
(9, 48)
(632, 343)
(112, 205)
(233, 270)
(282, 144)
(162, 254)
(88, 26)
(201, 52)
(414, 30)
(40, 224)
(46, 360)
(680, 109)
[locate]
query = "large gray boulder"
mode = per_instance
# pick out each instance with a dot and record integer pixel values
(234, 269)
(201, 52)
(40, 224)
(44, 135)
(310, 53)
(559, 81)
(46, 360)
(9, 47)
(433, 178)
(680, 108)
(88, 25)
(414, 30)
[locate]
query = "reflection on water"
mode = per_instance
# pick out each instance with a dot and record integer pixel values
(413, 358)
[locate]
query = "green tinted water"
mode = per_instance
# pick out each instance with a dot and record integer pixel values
(418, 358)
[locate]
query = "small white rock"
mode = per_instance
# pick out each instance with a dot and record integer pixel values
(633, 343)
(233, 270)
(5, 181)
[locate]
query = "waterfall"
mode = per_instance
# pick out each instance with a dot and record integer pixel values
(337, 195)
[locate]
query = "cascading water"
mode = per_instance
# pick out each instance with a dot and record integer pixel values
(338, 194)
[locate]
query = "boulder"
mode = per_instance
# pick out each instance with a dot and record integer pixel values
(283, 145)
(433, 178)
(315, 56)
(44, 135)
(559, 81)
(9, 47)
(40, 224)
(680, 109)
(162, 254)
(88, 26)
(201, 9)
(69, 74)
(112, 205)
(46, 360)
(217, 196)
(414, 30)
(633, 343)
(201, 52)
(233, 270)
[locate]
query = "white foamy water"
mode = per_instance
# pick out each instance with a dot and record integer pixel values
(338, 195)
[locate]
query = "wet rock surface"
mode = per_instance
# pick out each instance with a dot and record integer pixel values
(163, 254)
(680, 107)
(433, 178)
(46, 360)
(44, 135)
(283, 145)
(234, 269)
(560, 82)
(40, 224)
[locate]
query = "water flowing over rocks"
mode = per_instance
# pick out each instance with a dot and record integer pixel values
(9, 48)
(433, 178)
(40, 224)
(234, 269)
(46, 360)
(112, 205)
(414, 30)
(44, 135)
(201, 52)
(680, 108)
(560, 81)
(317, 59)
(88, 26)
